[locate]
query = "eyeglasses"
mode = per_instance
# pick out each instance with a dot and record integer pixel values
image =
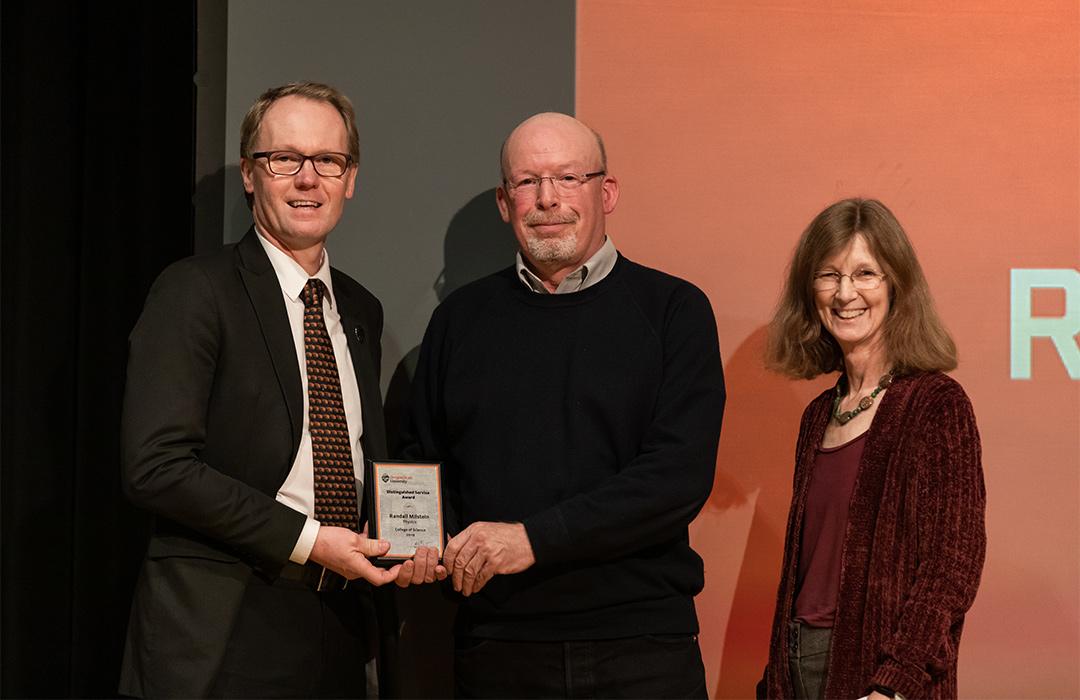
(564, 184)
(290, 162)
(864, 280)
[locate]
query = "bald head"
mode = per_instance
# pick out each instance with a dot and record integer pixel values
(548, 131)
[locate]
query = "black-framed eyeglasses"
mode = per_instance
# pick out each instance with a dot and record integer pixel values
(864, 280)
(563, 184)
(290, 162)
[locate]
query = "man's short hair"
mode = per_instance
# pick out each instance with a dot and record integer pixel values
(319, 92)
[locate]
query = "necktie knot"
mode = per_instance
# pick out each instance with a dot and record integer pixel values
(313, 293)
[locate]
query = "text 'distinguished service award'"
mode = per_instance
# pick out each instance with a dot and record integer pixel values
(406, 500)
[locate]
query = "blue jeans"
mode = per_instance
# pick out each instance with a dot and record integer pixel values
(660, 666)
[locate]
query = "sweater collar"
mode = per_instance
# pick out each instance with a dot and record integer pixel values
(592, 271)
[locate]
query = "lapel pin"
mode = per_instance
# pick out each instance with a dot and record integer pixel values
(359, 333)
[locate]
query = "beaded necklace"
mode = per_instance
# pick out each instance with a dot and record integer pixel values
(864, 403)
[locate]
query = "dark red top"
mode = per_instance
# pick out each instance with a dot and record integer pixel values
(821, 543)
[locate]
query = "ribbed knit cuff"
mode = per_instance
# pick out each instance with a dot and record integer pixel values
(547, 535)
(907, 682)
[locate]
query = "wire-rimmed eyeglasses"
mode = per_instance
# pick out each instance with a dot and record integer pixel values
(290, 162)
(864, 280)
(563, 184)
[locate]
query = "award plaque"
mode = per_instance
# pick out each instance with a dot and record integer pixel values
(406, 507)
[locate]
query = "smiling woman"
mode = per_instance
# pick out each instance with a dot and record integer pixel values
(885, 540)
(853, 306)
(913, 336)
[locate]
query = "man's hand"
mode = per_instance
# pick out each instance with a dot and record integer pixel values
(482, 550)
(342, 550)
(424, 567)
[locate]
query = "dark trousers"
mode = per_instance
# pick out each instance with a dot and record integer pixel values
(663, 666)
(808, 655)
(291, 642)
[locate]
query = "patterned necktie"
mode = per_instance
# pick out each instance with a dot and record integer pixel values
(335, 484)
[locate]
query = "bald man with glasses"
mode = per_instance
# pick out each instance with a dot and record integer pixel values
(575, 400)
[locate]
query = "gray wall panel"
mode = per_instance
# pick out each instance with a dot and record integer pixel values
(437, 86)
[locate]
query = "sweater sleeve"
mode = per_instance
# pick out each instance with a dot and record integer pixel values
(951, 546)
(654, 497)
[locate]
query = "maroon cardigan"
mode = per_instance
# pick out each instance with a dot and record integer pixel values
(913, 549)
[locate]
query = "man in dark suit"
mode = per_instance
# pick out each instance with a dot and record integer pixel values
(252, 398)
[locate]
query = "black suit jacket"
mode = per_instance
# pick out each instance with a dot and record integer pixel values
(213, 411)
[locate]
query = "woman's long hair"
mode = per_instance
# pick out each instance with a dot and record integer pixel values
(915, 338)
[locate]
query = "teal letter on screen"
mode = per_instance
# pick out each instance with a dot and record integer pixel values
(1061, 330)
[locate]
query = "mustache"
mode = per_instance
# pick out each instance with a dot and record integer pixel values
(540, 219)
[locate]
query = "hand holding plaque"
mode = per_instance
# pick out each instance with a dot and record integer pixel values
(406, 507)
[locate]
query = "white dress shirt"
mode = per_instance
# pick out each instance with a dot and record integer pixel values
(298, 491)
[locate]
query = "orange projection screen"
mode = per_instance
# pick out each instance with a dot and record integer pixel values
(730, 125)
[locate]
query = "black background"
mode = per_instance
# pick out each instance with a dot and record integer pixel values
(97, 144)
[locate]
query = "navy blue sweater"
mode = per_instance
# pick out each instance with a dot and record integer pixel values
(591, 417)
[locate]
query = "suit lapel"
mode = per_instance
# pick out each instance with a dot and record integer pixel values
(360, 335)
(264, 290)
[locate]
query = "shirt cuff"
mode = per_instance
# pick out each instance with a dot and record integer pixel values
(305, 542)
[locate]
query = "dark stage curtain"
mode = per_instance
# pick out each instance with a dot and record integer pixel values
(97, 145)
